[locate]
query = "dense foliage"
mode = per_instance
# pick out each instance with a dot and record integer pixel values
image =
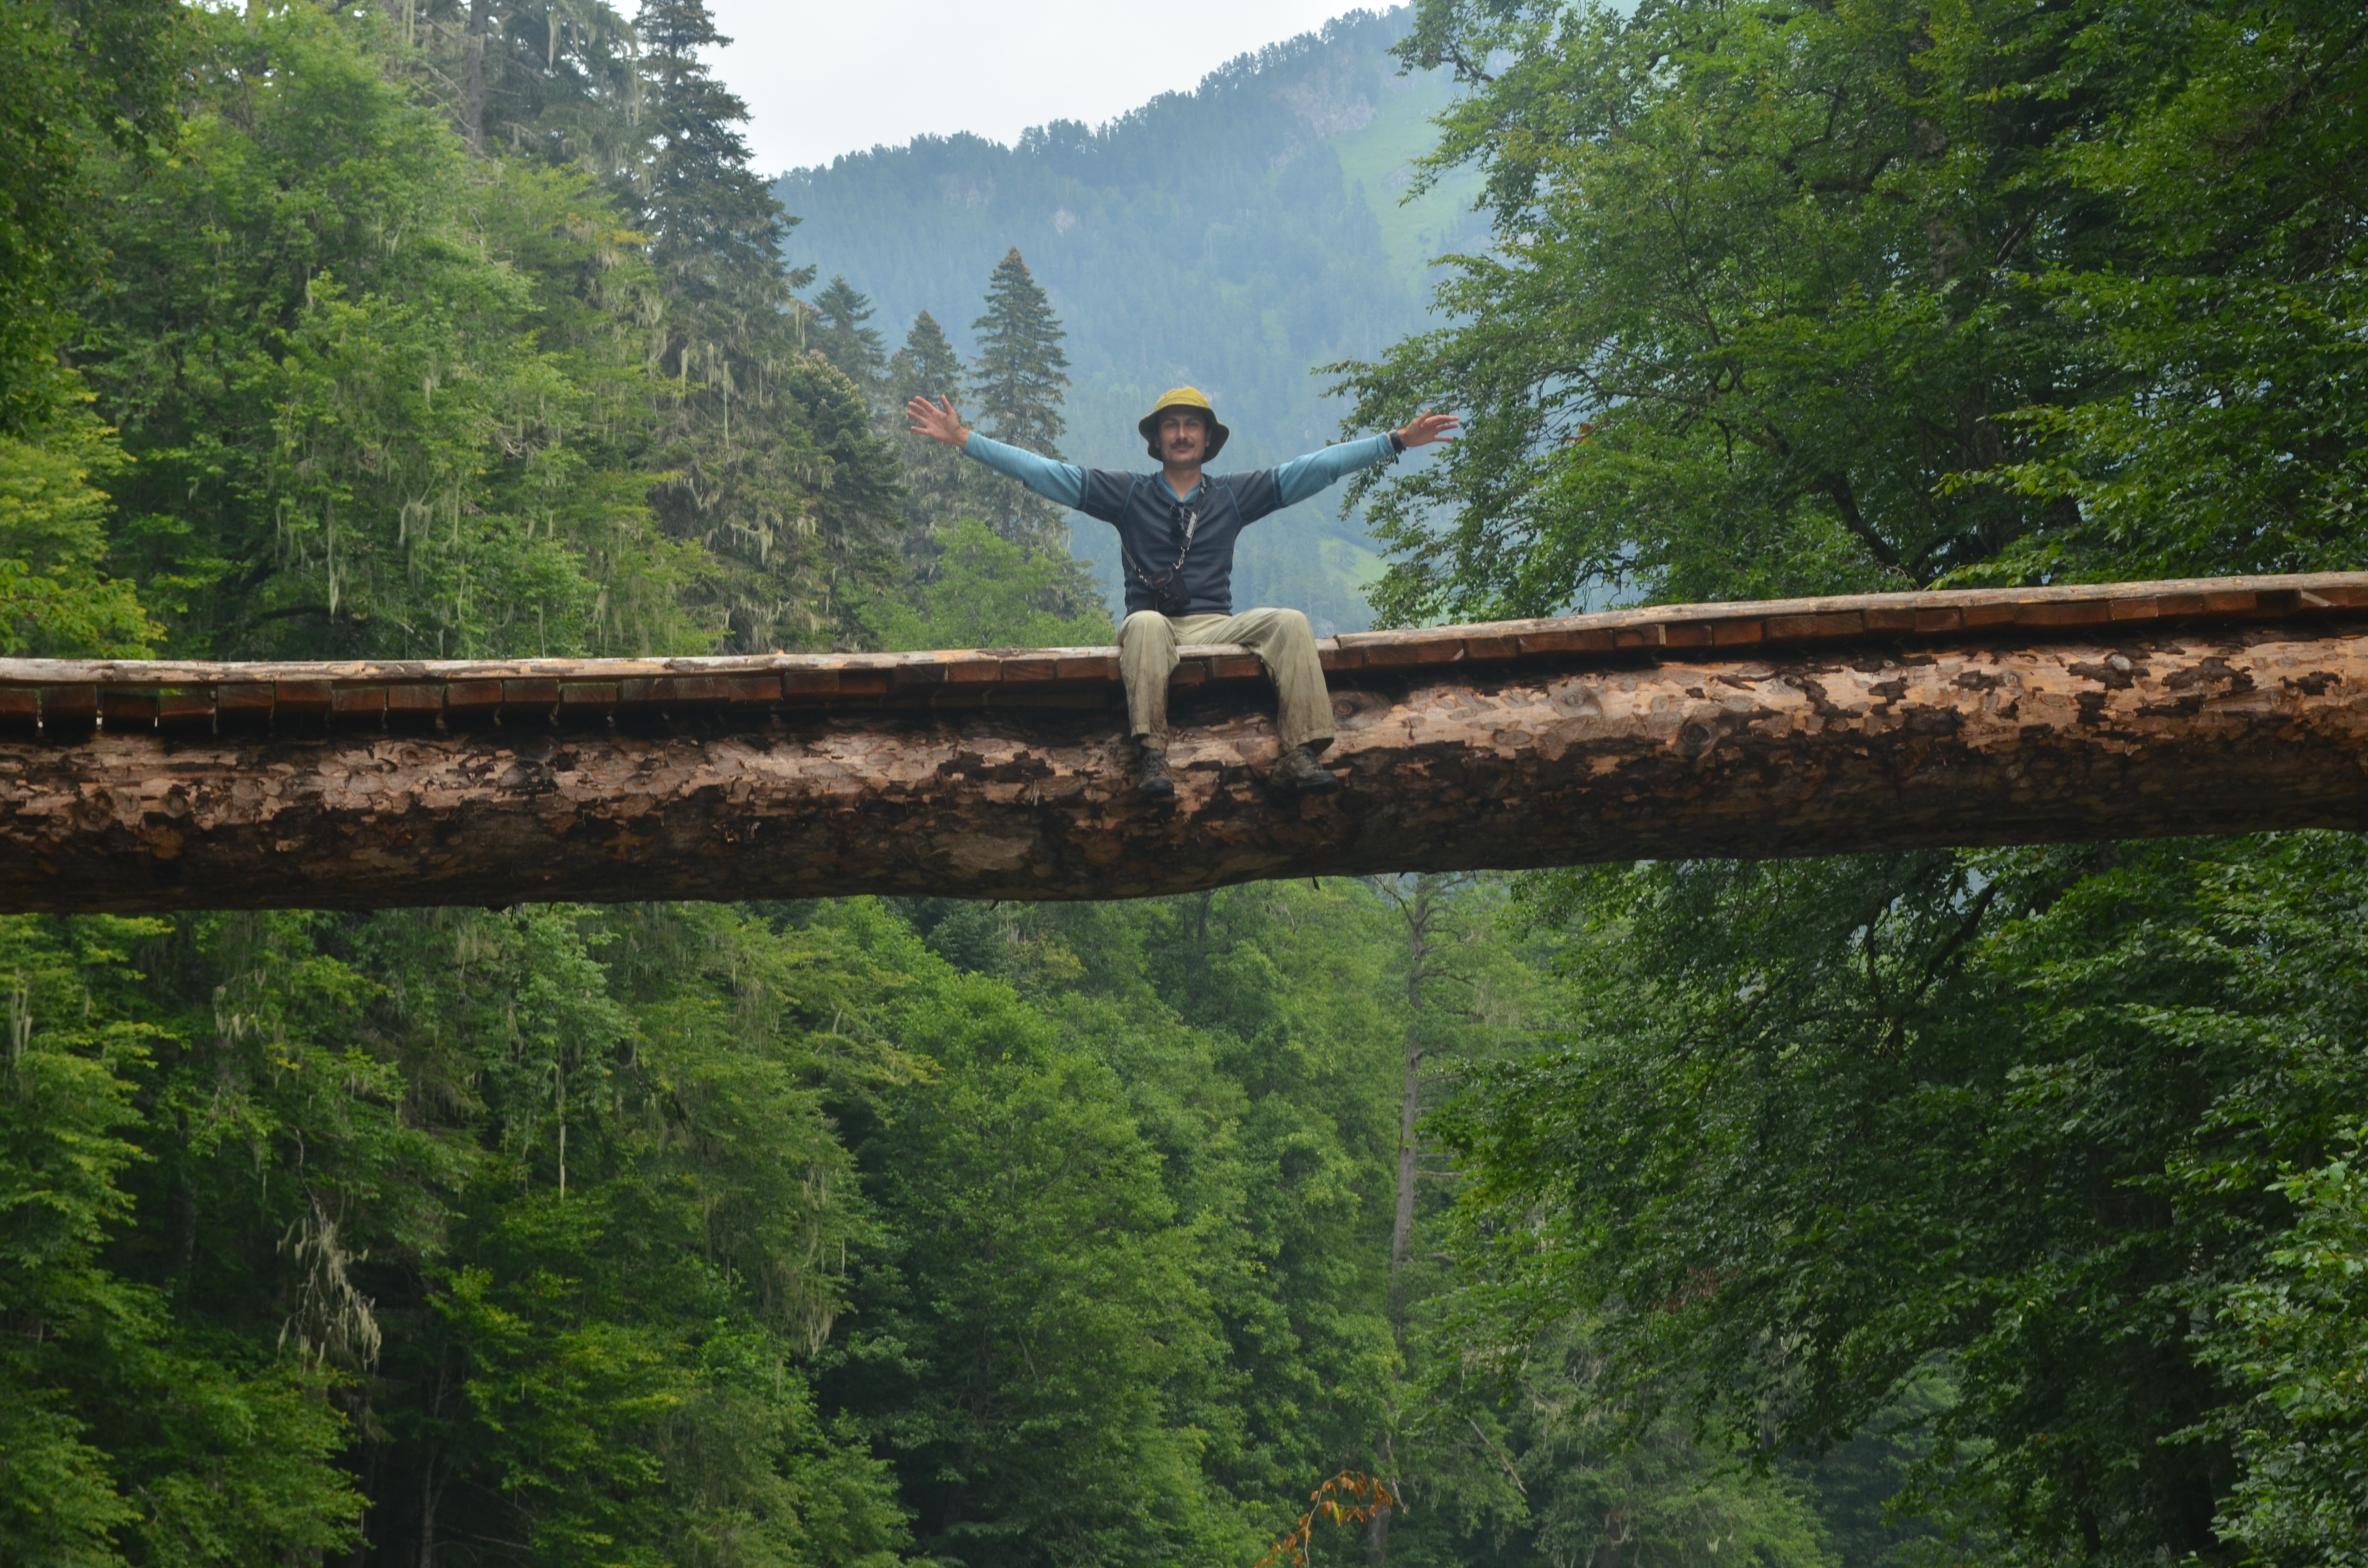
(378, 394)
(74, 79)
(841, 1234)
(2051, 1152)
(1866, 295)
(824, 1234)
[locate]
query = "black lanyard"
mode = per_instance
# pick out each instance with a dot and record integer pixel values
(1189, 517)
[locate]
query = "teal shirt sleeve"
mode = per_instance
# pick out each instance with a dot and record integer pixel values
(1057, 482)
(1303, 477)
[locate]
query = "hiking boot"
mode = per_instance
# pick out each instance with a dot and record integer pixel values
(1151, 780)
(1296, 772)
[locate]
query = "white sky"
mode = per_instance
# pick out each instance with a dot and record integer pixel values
(823, 77)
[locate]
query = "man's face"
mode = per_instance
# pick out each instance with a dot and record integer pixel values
(1183, 436)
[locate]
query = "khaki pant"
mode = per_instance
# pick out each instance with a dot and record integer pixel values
(1282, 640)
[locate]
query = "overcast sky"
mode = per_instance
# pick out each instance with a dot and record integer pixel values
(843, 75)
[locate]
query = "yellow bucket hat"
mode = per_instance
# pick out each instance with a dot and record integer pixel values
(1181, 397)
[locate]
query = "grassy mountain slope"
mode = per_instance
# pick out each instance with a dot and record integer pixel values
(1233, 237)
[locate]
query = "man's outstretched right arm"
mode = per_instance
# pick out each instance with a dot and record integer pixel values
(1064, 483)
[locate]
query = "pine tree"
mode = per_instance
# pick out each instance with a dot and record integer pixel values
(927, 366)
(940, 486)
(778, 471)
(839, 335)
(715, 227)
(559, 82)
(1019, 380)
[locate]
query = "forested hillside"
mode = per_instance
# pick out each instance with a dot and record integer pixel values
(1859, 1213)
(1235, 238)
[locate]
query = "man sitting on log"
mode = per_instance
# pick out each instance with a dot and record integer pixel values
(1176, 532)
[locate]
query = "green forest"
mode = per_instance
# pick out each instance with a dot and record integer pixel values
(1885, 1211)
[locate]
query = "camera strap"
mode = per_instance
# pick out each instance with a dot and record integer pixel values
(1190, 517)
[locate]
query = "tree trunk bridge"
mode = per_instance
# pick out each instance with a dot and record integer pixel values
(1803, 727)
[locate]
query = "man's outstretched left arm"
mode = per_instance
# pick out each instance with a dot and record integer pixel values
(1062, 484)
(1303, 477)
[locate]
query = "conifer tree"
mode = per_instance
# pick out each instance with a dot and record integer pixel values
(839, 335)
(1019, 380)
(716, 228)
(778, 471)
(938, 485)
(927, 366)
(525, 77)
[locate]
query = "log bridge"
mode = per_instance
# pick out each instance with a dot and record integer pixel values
(1802, 727)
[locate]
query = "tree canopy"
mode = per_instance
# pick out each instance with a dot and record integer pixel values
(2044, 1152)
(1884, 295)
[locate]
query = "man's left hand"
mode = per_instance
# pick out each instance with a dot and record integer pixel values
(1429, 427)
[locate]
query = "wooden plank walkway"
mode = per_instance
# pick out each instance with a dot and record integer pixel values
(66, 699)
(1792, 727)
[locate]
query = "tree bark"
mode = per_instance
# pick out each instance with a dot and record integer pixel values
(1402, 1223)
(1415, 906)
(473, 110)
(428, 1497)
(131, 788)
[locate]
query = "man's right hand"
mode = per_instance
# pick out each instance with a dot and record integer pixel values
(937, 420)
